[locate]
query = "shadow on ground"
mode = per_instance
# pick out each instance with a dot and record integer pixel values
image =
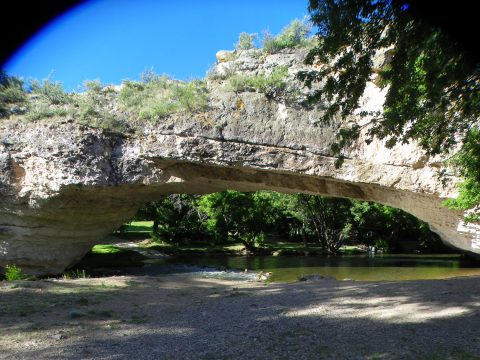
(179, 317)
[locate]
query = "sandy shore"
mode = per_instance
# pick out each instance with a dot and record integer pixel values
(182, 317)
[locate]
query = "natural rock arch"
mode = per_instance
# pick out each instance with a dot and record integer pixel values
(64, 186)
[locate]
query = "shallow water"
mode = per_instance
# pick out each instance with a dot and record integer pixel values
(354, 267)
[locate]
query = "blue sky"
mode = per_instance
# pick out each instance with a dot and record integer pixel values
(113, 40)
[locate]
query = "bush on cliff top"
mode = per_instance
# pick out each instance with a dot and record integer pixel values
(245, 41)
(292, 36)
(12, 93)
(267, 84)
(157, 96)
(51, 91)
(93, 108)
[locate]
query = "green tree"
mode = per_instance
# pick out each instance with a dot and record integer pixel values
(240, 216)
(328, 219)
(251, 217)
(387, 227)
(467, 160)
(176, 219)
(231, 215)
(433, 89)
(150, 212)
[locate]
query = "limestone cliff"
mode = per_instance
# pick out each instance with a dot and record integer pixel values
(65, 185)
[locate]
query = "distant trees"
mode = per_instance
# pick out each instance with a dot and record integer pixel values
(251, 218)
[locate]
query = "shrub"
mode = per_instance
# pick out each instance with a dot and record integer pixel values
(92, 114)
(240, 83)
(93, 86)
(158, 96)
(228, 71)
(467, 163)
(245, 41)
(271, 84)
(13, 272)
(53, 92)
(132, 94)
(191, 96)
(42, 111)
(11, 92)
(91, 109)
(149, 76)
(294, 35)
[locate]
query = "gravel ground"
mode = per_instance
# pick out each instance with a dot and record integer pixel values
(186, 317)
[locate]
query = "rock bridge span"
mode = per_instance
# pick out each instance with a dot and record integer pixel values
(64, 186)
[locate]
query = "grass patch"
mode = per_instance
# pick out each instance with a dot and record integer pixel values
(196, 249)
(107, 249)
(268, 84)
(138, 227)
(136, 230)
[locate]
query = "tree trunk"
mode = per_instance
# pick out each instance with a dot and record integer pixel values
(304, 236)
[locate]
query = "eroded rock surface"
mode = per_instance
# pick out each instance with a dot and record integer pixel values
(64, 186)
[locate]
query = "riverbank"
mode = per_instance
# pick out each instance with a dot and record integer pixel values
(186, 317)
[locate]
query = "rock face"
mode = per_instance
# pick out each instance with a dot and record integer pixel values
(64, 186)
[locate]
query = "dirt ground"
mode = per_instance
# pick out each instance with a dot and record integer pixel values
(186, 317)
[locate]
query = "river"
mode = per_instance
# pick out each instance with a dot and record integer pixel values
(387, 267)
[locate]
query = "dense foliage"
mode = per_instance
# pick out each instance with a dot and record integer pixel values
(256, 218)
(433, 89)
